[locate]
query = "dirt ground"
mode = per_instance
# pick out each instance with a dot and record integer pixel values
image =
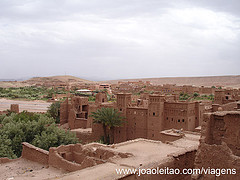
(30, 106)
(23, 169)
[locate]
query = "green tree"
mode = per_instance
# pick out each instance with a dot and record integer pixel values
(195, 95)
(54, 111)
(5, 147)
(109, 118)
(53, 137)
(37, 129)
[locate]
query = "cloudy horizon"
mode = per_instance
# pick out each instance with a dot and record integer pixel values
(103, 40)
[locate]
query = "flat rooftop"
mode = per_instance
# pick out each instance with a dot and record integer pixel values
(148, 153)
(22, 169)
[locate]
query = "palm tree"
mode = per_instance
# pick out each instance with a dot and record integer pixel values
(109, 118)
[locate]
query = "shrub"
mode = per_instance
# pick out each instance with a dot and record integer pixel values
(36, 129)
(54, 111)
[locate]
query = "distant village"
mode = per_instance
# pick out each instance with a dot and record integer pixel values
(164, 125)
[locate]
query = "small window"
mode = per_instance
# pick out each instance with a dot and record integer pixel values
(152, 135)
(183, 120)
(120, 109)
(167, 118)
(179, 120)
(154, 114)
(172, 119)
(64, 155)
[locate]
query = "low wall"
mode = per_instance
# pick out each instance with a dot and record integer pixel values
(3, 112)
(86, 137)
(168, 137)
(230, 106)
(6, 160)
(35, 154)
(57, 161)
(80, 123)
(75, 157)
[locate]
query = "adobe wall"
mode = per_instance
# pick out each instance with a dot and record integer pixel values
(180, 115)
(6, 160)
(168, 137)
(86, 137)
(219, 144)
(75, 157)
(33, 153)
(3, 112)
(225, 107)
(64, 112)
(120, 134)
(80, 123)
(155, 116)
(232, 106)
(72, 118)
(101, 97)
(14, 108)
(92, 108)
(136, 123)
(57, 161)
(206, 90)
(123, 101)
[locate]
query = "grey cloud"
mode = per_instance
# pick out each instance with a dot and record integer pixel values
(119, 39)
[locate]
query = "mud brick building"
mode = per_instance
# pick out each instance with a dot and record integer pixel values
(143, 120)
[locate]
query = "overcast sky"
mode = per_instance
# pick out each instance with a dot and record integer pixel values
(116, 39)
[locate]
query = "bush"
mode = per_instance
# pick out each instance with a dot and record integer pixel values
(36, 129)
(31, 93)
(54, 111)
(195, 94)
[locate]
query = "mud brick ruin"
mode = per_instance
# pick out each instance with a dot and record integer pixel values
(220, 143)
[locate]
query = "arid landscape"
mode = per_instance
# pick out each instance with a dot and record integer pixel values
(226, 81)
(119, 90)
(69, 111)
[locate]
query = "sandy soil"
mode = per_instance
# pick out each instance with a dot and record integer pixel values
(23, 169)
(31, 106)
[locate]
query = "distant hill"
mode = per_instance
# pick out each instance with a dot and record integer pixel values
(227, 81)
(42, 80)
(63, 79)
